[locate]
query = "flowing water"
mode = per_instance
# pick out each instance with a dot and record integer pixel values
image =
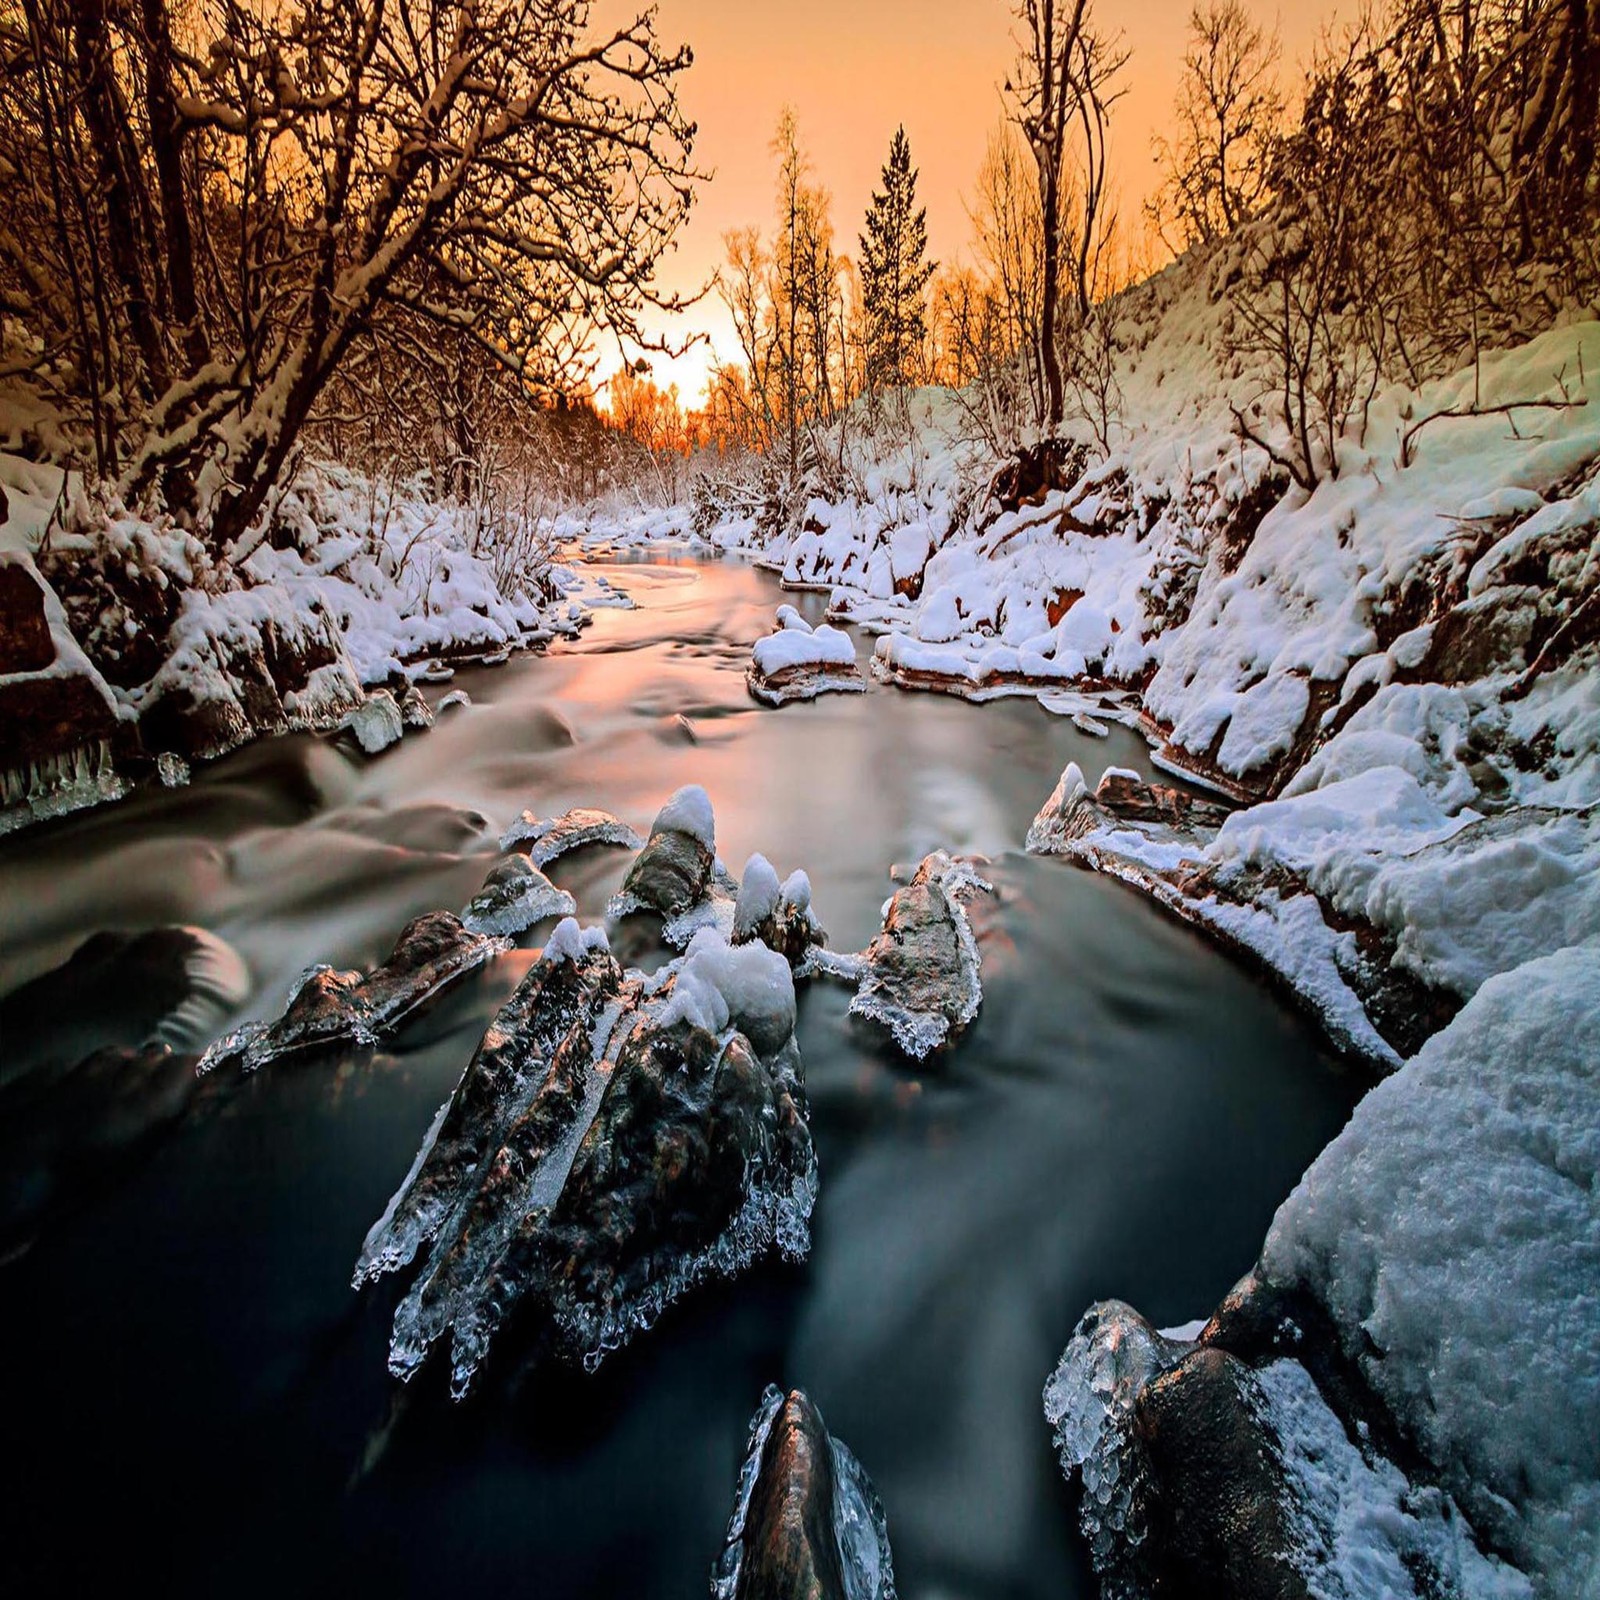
(194, 1398)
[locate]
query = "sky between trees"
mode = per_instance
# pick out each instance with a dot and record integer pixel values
(854, 70)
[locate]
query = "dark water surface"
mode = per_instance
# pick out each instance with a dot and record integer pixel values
(193, 1400)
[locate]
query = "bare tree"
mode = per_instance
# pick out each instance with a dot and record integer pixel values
(276, 186)
(1064, 94)
(1227, 116)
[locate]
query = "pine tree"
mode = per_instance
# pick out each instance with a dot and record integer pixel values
(895, 272)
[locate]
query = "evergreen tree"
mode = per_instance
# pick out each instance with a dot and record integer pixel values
(895, 272)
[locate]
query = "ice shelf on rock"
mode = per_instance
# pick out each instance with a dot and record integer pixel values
(455, 698)
(547, 839)
(807, 1523)
(799, 662)
(616, 1138)
(515, 895)
(329, 1007)
(377, 722)
(1198, 1469)
(920, 978)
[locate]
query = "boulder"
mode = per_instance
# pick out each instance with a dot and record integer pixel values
(615, 1139)
(807, 1524)
(329, 1008)
(515, 896)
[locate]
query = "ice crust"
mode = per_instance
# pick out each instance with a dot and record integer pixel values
(549, 838)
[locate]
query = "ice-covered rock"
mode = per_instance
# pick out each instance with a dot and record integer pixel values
(456, 698)
(172, 771)
(807, 1523)
(615, 1139)
(1199, 1472)
(1415, 1361)
(515, 895)
(673, 874)
(546, 839)
(329, 1008)
(415, 712)
(377, 722)
(798, 662)
(920, 978)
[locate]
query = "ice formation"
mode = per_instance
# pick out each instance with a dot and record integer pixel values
(615, 1139)
(807, 1523)
(377, 722)
(515, 895)
(549, 838)
(328, 1008)
(921, 977)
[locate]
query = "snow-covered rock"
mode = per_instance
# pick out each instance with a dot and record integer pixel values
(799, 662)
(615, 1139)
(1415, 1363)
(377, 722)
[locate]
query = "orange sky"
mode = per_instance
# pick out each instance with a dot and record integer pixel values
(853, 70)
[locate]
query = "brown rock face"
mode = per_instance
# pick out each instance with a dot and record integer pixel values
(790, 1552)
(1216, 1513)
(1126, 797)
(670, 874)
(25, 644)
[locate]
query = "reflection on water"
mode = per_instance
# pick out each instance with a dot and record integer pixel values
(194, 1395)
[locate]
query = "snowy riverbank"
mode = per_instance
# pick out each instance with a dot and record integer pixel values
(154, 649)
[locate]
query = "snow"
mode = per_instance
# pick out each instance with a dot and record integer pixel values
(569, 941)
(759, 896)
(376, 722)
(789, 648)
(796, 890)
(1453, 1230)
(688, 811)
(747, 987)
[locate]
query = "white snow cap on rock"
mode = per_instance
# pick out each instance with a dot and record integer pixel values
(376, 722)
(796, 890)
(759, 895)
(789, 618)
(570, 942)
(789, 647)
(747, 986)
(688, 811)
(1453, 1230)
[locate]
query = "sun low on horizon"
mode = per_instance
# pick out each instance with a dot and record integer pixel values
(853, 71)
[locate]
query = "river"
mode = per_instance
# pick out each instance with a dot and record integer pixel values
(195, 1399)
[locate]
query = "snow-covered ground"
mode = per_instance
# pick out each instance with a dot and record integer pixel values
(354, 583)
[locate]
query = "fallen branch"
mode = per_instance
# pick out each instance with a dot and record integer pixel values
(1459, 412)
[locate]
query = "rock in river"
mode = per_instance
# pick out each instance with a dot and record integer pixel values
(546, 839)
(515, 896)
(807, 1524)
(920, 978)
(616, 1138)
(329, 1007)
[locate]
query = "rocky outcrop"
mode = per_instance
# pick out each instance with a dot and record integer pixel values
(515, 896)
(921, 977)
(330, 1009)
(240, 668)
(60, 730)
(615, 1139)
(807, 1524)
